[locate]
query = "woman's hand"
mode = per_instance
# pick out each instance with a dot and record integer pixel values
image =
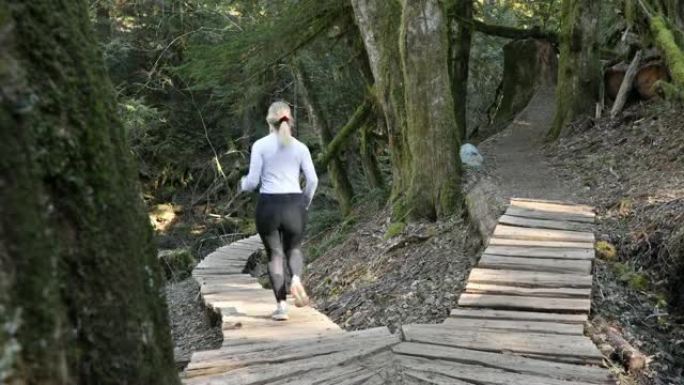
(239, 186)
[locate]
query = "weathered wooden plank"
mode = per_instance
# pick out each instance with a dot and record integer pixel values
(229, 351)
(532, 243)
(216, 288)
(518, 315)
(562, 347)
(512, 326)
(374, 380)
(216, 273)
(288, 352)
(544, 223)
(529, 278)
(539, 214)
(237, 278)
(244, 246)
(263, 373)
(483, 288)
(257, 335)
(512, 302)
(349, 374)
(221, 265)
(541, 252)
(511, 232)
(478, 374)
(431, 378)
(555, 207)
(309, 321)
(229, 255)
(507, 362)
(572, 266)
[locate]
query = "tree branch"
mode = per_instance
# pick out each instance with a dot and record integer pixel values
(626, 85)
(355, 122)
(514, 33)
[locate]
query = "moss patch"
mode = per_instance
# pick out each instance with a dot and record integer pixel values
(394, 229)
(177, 264)
(633, 279)
(666, 41)
(605, 251)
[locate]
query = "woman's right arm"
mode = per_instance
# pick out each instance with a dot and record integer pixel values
(251, 181)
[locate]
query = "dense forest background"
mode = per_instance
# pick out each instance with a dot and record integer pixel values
(193, 78)
(177, 93)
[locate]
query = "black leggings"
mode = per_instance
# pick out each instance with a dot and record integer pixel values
(280, 221)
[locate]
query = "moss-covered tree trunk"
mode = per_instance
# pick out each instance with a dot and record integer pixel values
(434, 186)
(338, 173)
(80, 288)
(378, 23)
(579, 72)
(369, 161)
(367, 144)
(459, 47)
(666, 41)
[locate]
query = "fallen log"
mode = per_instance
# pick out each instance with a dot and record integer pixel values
(611, 343)
(647, 76)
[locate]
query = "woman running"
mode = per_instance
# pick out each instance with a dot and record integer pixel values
(276, 162)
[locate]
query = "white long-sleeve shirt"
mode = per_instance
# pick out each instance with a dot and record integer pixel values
(277, 167)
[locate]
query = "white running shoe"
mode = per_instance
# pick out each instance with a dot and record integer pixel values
(280, 314)
(298, 292)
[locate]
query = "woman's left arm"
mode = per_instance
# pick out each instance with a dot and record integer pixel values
(251, 181)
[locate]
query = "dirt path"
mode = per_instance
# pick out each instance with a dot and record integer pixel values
(515, 160)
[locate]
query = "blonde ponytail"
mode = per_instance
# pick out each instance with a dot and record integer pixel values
(284, 133)
(279, 120)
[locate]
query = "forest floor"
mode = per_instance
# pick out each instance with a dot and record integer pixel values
(193, 327)
(386, 274)
(632, 170)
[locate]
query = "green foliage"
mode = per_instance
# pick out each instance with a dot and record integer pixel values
(394, 229)
(485, 74)
(635, 280)
(249, 57)
(521, 13)
(177, 263)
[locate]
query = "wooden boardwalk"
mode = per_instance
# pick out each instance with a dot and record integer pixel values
(520, 320)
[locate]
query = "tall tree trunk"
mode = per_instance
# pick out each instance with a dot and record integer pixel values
(579, 72)
(459, 48)
(434, 189)
(377, 22)
(338, 173)
(80, 299)
(369, 161)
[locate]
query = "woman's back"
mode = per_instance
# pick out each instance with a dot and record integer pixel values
(281, 164)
